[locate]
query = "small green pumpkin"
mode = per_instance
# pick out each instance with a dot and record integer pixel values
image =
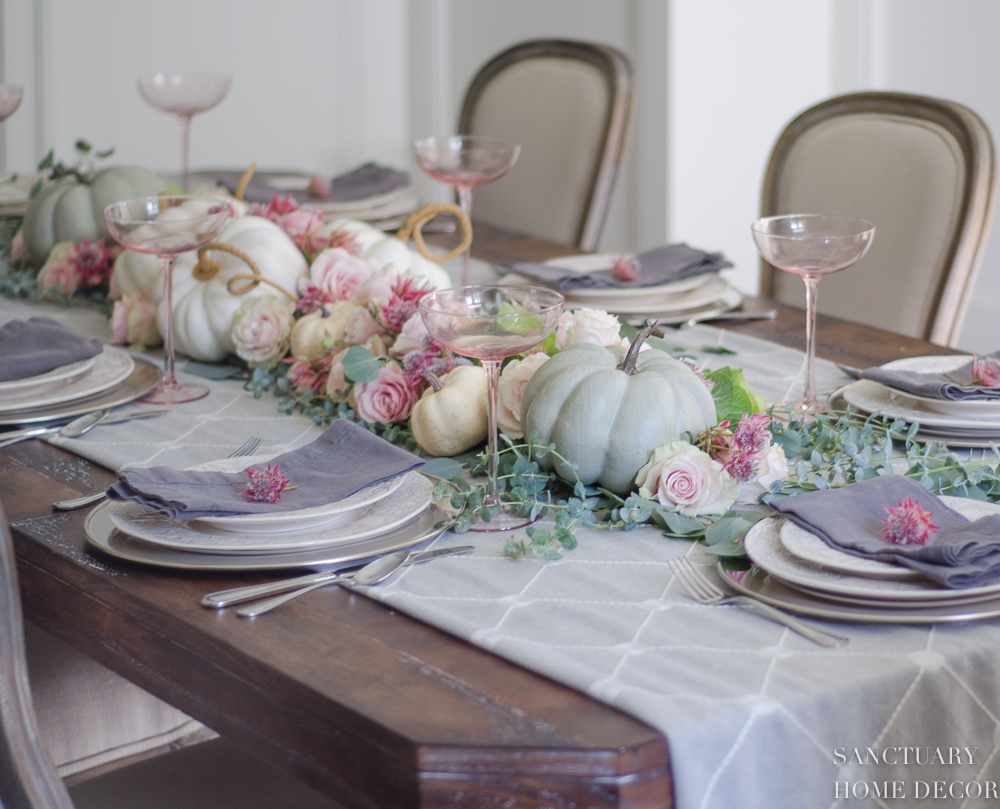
(70, 210)
(606, 411)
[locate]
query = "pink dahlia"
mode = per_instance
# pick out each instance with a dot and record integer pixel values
(907, 524)
(266, 485)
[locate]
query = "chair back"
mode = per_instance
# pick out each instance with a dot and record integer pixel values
(28, 779)
(570, 105)
(923, 171)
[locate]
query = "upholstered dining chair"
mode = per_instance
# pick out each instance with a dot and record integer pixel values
(923, 170)
(210, 775)
(570, 106)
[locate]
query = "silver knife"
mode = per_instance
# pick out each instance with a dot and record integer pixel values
(239, 595)
(30, 431)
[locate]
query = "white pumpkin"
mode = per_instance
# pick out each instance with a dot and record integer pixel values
(380, 250)
(310, 329)
(136, 272)
(203, 310)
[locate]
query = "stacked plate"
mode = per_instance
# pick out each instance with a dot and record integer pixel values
(698, 296)
(108, 379)
(969, 423)
(797, 571)
(380, 518)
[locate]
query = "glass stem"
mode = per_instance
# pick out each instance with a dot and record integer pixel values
(492, 368)
(169, 376)
(185, 152)
(809, 396)
(465, 202)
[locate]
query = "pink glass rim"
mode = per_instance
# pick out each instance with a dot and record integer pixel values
(223, 205)
(848, 226)
(555, 299)
(463, 143)
(175, 78)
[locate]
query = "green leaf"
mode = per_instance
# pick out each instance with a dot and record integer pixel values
(717, 350)
(82, 146)
(732, 394)
(442, 468)
(47, 161)
(360, 365)
(105, 153)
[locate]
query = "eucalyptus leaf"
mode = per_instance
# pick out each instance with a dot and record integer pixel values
(442, 468)
(360, 365)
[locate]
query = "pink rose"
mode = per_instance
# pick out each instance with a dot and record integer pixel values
(681, 475)
(134, 321)
(378, 288)
(60, 270)
(411, 337)
(360, 326)
(513, 381)
(587, 326)
(262, 327)
(18, 252)
(388, 398)
(339, 273)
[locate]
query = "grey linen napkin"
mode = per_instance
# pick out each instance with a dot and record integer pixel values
(659, 266)
(368, 180)
(960, 554)
(41, 344)
(343, 460)
(957, 385)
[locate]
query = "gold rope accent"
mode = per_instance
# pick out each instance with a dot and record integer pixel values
(424, 214)
(241, 189)
(207, 268)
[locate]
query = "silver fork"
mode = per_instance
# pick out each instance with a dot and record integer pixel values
(248, 448)
(705, 591)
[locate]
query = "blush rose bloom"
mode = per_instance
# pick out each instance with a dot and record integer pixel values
(388, 398)
(513, 381)
(377, 288)
(262, 327)
(360, 326)
(133, 321)
(411, 337)
(338, 272)
(587, 326)
(18, 251)
(60, 270)
(681, 475)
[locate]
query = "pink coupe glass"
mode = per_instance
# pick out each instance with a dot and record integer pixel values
(811, 245)
(466, 161)
(184, 95)
(490, 323)
(10, 100)
(166, 227)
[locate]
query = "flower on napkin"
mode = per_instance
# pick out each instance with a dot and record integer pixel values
(908, 524)
(266, 485)
(986, 371)
(625, 269)
(681, 475)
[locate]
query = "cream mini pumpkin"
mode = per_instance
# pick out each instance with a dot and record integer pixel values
(321, 325)
(203, 310)
(450, 416)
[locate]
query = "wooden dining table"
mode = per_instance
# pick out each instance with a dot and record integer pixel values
(366, 704)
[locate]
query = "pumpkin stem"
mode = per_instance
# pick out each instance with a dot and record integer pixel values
(241, 189)
(324, 312)
(648, 330)
(432, 379)
(424, 214)
(61, 171)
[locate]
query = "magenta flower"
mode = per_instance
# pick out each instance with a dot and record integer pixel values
(305, 374)
(752, 433)
(266, 485)
(625, 269)
(94, 262)
(907, 524)
(312, 299)
(986, 371)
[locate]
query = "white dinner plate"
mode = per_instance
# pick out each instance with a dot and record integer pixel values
(597, 262)
(944, 363)
(412, 497)
(764, 587)
(61, 374)
(765, 548)
(111, 367)
(142, 380)
(811, 549)
(871, 396)
(102, 534)
(647, 300)
(729, 301)
(338, 512)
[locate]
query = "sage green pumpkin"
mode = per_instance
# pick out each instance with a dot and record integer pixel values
(608, 421)
(69, 210)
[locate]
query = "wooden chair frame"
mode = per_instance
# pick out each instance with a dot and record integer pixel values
(965, 252)
(617, 72)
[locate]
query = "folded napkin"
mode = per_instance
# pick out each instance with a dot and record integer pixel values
(659, 266)
(41, 344)
(957, 385)
(366, 181)
(343, 460)
(959, 554)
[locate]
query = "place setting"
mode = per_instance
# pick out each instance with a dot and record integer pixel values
(883, 550)
(953, 398)
(348, 496)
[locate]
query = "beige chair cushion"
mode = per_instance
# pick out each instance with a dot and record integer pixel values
(557, 110)
(906, 176)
